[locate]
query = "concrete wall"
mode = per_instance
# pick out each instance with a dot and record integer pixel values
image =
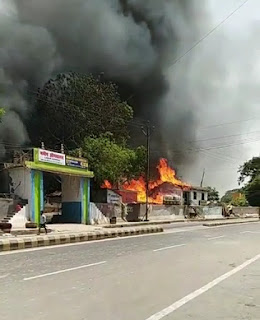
(136, 212)
(246, 211)
(171, 212)
(109, 210)
(6, 205)
(96, 216)
(21, 182)
(212, 212)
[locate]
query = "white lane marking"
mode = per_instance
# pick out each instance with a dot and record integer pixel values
(255, 232)
(187, 229)
(170, 247)
(4, 276)
(120, 238)
(213, 238)
(176, 305)
(64, 270)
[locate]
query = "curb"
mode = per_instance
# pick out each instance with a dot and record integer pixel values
(227, 223)
(52, 240)
(141, 223)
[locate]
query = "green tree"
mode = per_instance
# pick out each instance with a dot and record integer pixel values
(111, 161)
(240, 201)
(252, 192)
(227, 198)
(72, 107)
(213, 194)
(2, 112)
(251, 170)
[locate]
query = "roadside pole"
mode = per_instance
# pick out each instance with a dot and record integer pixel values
(147, 132)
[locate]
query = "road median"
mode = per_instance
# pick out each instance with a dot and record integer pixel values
(20, 242)
(230, 221)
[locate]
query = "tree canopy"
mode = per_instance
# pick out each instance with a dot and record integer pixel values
(251, 170)
(227, 198)
(252, 192)
(236, 197)
(73, 107)
(111, 161)
(239, 200)
(213, 194)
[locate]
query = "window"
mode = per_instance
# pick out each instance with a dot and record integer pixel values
(203, 196)
(195, 195)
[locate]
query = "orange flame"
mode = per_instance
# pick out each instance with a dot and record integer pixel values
(106, 185)
(166, 174)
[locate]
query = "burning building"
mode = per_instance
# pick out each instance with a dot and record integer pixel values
(168, 188)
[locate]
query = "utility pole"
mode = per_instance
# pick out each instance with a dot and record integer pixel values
(147, 132)
(202, 179)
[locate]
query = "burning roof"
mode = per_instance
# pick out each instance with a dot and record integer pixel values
(166, 184)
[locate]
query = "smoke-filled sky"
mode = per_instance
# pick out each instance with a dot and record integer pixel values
(135, 42)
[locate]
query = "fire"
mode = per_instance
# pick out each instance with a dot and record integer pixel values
(106, 185)
(166, 175)
(139, 186)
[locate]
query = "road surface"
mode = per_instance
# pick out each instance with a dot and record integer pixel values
(189, 272)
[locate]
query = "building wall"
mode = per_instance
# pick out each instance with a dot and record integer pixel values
(20, 185)
(71, 199)
(21, 182)
(70, 188)
(75, 199)
(4, 180)
(196, 198)
(6, 206)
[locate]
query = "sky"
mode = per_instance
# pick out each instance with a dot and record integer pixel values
(232, 95)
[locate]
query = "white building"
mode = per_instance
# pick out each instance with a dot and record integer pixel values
(195, 196)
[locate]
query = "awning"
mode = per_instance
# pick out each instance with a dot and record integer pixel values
(58, 169)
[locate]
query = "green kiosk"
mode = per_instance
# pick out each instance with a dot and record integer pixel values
(75, 184)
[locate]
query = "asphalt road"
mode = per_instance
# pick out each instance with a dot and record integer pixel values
(188, 272)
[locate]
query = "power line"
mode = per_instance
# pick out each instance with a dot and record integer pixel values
(227, 123)
(232, 144)
(223, 137)
(208, 34)
(201, 39)
(194, 150)
(209, 154)
(227, 156)
(133, 122)
(8, 144)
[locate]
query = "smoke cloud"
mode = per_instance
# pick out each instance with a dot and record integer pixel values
(133, 42)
